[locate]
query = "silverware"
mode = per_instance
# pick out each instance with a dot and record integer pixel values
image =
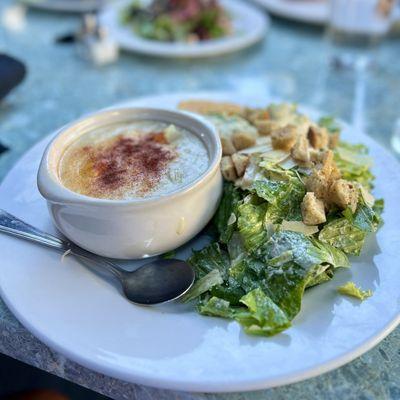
(155, 282)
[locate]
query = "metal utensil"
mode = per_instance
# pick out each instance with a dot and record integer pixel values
(153, 283)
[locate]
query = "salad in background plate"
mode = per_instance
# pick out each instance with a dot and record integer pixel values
(177, 20)
(297, 203)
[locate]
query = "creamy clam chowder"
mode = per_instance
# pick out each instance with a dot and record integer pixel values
(129, 161)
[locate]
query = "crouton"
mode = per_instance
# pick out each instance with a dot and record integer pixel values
(333, 140)
(265, 127)
(242, 140)
(284, 138)
(327, 162)
(240, 162)
(227, 146)
(300, 151)
(312, 210)
(210, 107)
(235, 132)
(302, 124)
(228, 169)
(254, 114)
(335, 173)
(318, 137)
(315, 155)
(282, 110)
(318, 183)
(344, 194)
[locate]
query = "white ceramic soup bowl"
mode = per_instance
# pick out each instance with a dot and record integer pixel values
(142, 227)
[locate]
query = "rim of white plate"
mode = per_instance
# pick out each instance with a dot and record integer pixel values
(312, 12)
(180, 384)
(68, 6)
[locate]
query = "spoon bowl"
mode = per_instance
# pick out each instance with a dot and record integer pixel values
(156, 282)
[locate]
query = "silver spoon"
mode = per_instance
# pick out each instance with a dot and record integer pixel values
(153, 283)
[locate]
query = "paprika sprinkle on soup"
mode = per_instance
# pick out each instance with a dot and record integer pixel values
(135, 161)
(131, 161)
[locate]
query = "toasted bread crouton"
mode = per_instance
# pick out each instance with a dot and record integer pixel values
(210, 107)
(284, 138)
(327, 163)
(254, 114)
(318, 137)
(344, 194)
(242, 140)
(265, 126)
(240, 162)
(333, 140)
(335, 173)
(318, 183)
(227, 146)
(235, 132)
(300, 151)
(228, 169)
(315, 155)
(312, 210)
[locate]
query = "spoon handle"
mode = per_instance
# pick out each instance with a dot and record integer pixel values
(15, 227)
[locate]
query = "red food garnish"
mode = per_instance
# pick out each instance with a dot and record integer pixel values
(131, 162)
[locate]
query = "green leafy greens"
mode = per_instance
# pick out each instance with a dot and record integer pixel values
(350, 289)
(264, 258)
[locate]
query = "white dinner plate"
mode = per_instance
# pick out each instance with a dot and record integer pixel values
(309, 11)
(70, 6)
(84, 317)
(314, 12)
(249, 27)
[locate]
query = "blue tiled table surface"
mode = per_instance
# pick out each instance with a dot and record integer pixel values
(290, 63)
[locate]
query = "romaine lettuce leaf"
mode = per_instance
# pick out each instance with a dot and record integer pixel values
(285, 286)
(320, 274)
(226, 216)
(230, 291)
(307, 252)
(350, 289)
(246, 272)
(262, 316)
(235, 246)
(365, 218)
(354, 163)
(285, 282)
(329, 254)
(216, 307)
(343, 235)
(330, 124)
(378, 207)
(251, 224)
(208, 259)
(283, 195)
(258, 315)
(203, 285)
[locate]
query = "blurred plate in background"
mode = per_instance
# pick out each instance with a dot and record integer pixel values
(75, 6)
(309, 11)
(249, 27)
(314, 12)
